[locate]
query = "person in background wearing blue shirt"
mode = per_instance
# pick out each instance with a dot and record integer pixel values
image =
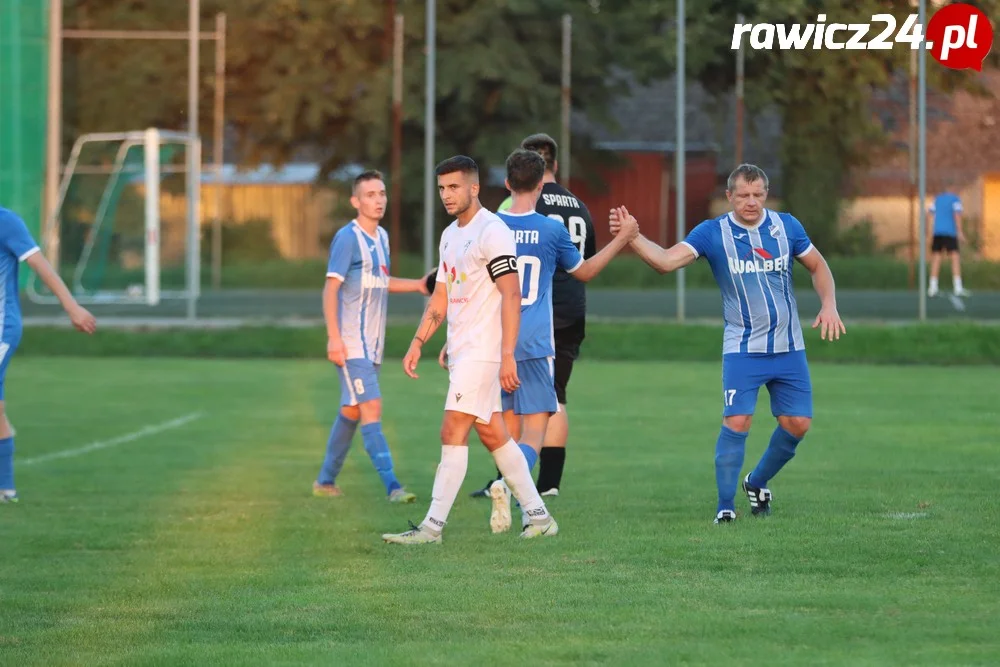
(355, 303)
(947, 237)
(16, 246)
(750, 251)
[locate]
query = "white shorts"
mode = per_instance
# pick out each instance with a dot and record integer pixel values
(474, 389)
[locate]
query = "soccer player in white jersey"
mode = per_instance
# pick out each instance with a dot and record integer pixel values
(750, 251)
(478, 290)
(543, 247)
(16, 246)
(355, 302)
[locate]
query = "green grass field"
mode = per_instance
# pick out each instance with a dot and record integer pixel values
(201, 544)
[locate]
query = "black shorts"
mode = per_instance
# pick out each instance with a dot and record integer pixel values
(568, 341)
(944, 244)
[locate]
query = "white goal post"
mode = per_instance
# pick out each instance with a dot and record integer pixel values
(118, 174)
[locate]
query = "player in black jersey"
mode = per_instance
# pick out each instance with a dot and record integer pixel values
(569, 308)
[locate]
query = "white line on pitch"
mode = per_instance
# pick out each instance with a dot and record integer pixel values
(114, 442)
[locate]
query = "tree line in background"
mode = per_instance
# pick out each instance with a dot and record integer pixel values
(312, 79)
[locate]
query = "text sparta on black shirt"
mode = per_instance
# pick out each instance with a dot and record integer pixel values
(569, 295)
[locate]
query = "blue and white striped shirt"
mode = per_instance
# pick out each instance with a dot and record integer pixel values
(753, 267)
(361, 263)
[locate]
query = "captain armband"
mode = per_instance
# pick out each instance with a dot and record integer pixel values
(501, 266)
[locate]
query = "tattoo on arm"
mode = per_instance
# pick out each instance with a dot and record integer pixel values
(432, 318)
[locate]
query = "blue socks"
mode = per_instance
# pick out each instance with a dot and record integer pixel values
(530, 454)
(340, 442)
(779, 451)
(7, 463)
(378, 451)
(729, 450)
(336, 449)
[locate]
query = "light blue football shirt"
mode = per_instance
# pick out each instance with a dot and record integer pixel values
(944, 208)
(361, 262)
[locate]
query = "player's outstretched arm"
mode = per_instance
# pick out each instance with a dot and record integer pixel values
(628, 230)
(831, 326)
(78, 315)
(433, 316)
(663, 260)
(397, 285)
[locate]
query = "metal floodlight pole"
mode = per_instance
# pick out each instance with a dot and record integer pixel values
(567, 98)
(679, 151)
(53, 130)
(218, 147)
(429, 103)
(740, 65)
(912, 191)
(193, 159)
(922, 167)
(396, 203)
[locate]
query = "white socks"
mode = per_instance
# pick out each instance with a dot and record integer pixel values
(514, 468)
(447, 482)
(957, 283)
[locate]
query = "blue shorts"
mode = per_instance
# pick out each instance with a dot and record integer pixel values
(359, 382)
(537, 392)
(786, 376)
(6, 354)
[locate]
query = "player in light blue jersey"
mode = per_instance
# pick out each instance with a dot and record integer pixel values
(543, 246)
(355, 303)
(16, 246)
(947, 237)
(750, 251)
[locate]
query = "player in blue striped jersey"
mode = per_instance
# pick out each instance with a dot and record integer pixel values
(355, 303)
(750, 251)
(543, 246)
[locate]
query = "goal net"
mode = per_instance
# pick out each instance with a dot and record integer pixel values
(126, 224)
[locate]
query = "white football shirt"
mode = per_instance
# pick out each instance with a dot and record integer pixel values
(474, 330)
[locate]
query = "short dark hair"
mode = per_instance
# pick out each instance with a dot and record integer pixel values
(525, 170)
(545, 146)
(461, 163)
(751, 173)
(368, 175)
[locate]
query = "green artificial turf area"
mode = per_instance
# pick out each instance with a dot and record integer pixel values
(166, 518)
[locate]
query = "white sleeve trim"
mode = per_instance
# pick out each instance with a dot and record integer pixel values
(806, 251)
(578, 265)
(334, 274)
(692, 249)
(497, 239)
(28, 254)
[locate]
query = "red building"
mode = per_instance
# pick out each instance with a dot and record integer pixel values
(646, 185)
